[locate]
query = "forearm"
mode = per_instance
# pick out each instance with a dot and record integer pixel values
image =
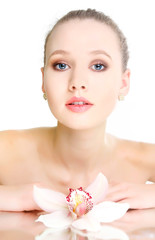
(145, 196)
(17, 198)
(139, 196)
(151, 195)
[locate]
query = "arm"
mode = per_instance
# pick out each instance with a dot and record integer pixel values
(17, 198)
(139, 196)
(148, 152)
(13, 197)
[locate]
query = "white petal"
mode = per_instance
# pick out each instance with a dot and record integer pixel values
(58, 219)
(85, 223)
(50, 234)
(108, 211)
(49, 200)
(98, 188)
(106, 232)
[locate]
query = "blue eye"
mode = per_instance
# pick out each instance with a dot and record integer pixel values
(61, 66)
(98, 67)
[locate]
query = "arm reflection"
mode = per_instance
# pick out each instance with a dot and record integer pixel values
(15, 225)
(19, 225)
(138, 223)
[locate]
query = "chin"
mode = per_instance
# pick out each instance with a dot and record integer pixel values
(80, 125)
(80, 122)
(74, 126)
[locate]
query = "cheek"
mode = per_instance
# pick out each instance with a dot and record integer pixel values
(55, 89)
(107, 87)
(107, 101)
(54, 86)
(106, 95)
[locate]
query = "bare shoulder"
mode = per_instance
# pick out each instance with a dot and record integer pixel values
(17, 146)
(12, 138)
(147, 156)
(141, 154)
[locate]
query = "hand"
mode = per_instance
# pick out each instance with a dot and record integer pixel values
(18, 197)
(139, 196)
(135, 220)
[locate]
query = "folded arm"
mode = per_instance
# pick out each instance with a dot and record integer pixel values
(139, 196)
(17, 198)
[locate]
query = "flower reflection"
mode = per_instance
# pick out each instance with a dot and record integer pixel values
(106, 232)
(81, 210)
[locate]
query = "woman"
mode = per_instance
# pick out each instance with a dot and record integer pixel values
(85, 73)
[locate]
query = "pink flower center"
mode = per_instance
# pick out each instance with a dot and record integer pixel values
(79, 201)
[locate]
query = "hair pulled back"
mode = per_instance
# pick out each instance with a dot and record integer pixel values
(100, 17)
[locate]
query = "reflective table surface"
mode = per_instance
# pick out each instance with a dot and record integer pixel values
(135, 224)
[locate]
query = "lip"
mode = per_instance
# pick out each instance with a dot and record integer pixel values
(78, 108)
(80, 99)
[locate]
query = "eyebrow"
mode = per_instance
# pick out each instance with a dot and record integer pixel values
(58, 52)
(101, 52)
(67, 53)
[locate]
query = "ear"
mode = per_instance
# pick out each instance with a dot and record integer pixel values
(125, 83)
(42, 71)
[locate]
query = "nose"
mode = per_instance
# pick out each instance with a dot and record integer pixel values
(75, 87)
(76, 83)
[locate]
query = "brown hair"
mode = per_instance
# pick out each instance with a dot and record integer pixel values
(100, 17)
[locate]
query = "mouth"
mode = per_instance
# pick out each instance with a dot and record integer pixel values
(78, 101)
(78, 105)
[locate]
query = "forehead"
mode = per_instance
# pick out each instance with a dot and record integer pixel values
(83, 36)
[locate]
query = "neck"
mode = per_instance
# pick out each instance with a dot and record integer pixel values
(81, 151)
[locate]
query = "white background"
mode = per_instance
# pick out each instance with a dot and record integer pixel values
(23, 27)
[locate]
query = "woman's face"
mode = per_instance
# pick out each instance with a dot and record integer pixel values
(83, 59)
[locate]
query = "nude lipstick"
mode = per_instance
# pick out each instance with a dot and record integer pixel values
(78, 105)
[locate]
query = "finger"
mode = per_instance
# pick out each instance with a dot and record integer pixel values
(113, 183)
(117, 193)
(116, 196)
(134, 204)
(117, 187)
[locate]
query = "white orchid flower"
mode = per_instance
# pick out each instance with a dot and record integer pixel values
(81, 209)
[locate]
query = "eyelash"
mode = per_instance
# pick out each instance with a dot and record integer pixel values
(101, 64)
(98, 63)
(58, 63)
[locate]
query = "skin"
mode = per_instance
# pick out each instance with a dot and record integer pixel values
(74, 152)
